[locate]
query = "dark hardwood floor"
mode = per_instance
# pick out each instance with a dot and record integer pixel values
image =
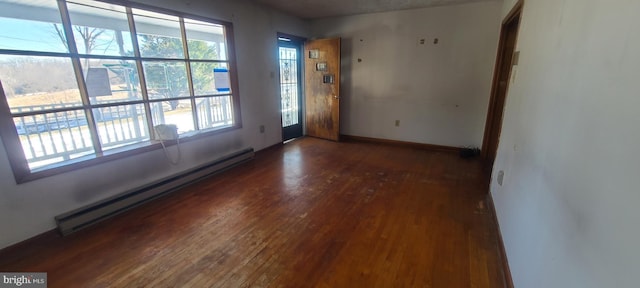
(311, 213)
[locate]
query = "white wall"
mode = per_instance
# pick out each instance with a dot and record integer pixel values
(507, 6)
(568, 207)
(440, 93)
(28, 209)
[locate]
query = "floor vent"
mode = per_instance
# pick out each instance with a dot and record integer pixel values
(83, 217)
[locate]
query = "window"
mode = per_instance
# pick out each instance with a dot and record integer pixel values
(84, 81)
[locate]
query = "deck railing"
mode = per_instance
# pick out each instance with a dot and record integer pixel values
(214, 112)
(60, 136)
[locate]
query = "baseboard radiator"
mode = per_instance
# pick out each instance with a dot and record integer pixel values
(83, 217)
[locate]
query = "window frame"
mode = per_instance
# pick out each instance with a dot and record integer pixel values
(13, 146)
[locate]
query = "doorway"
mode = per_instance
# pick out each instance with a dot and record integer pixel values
(507, 58)
(290, 62)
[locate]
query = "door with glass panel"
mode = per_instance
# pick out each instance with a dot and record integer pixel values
(289, 51)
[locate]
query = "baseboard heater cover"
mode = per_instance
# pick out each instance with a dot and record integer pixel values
(83, 217)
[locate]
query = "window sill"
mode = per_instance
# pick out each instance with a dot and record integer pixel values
(113, 154)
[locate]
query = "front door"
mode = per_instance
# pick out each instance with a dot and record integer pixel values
(289, 49)
(322, 88)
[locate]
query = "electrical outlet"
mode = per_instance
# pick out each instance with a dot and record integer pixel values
(397, 123)
(500, 177)
(261, 128)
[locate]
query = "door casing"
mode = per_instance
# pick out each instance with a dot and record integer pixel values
(500, 87)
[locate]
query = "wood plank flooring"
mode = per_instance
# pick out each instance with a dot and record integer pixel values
(310, 213)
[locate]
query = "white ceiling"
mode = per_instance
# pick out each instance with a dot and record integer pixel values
(311, 9)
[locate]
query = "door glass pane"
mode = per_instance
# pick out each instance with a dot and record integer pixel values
(166, 79)
(214, 112)
(210, 78)
(121, 125)
(100, 28)
(205, 40)
(31, 25)
(159, 35)
(289, 86)
(51, 138)
(181, 116)
(33, 83)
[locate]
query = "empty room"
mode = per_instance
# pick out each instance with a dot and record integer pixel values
(275, 143)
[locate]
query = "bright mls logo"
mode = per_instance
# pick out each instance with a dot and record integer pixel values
(23, 280)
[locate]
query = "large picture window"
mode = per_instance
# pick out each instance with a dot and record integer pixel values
(83, 80)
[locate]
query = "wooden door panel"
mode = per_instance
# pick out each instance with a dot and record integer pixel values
(322, 88)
